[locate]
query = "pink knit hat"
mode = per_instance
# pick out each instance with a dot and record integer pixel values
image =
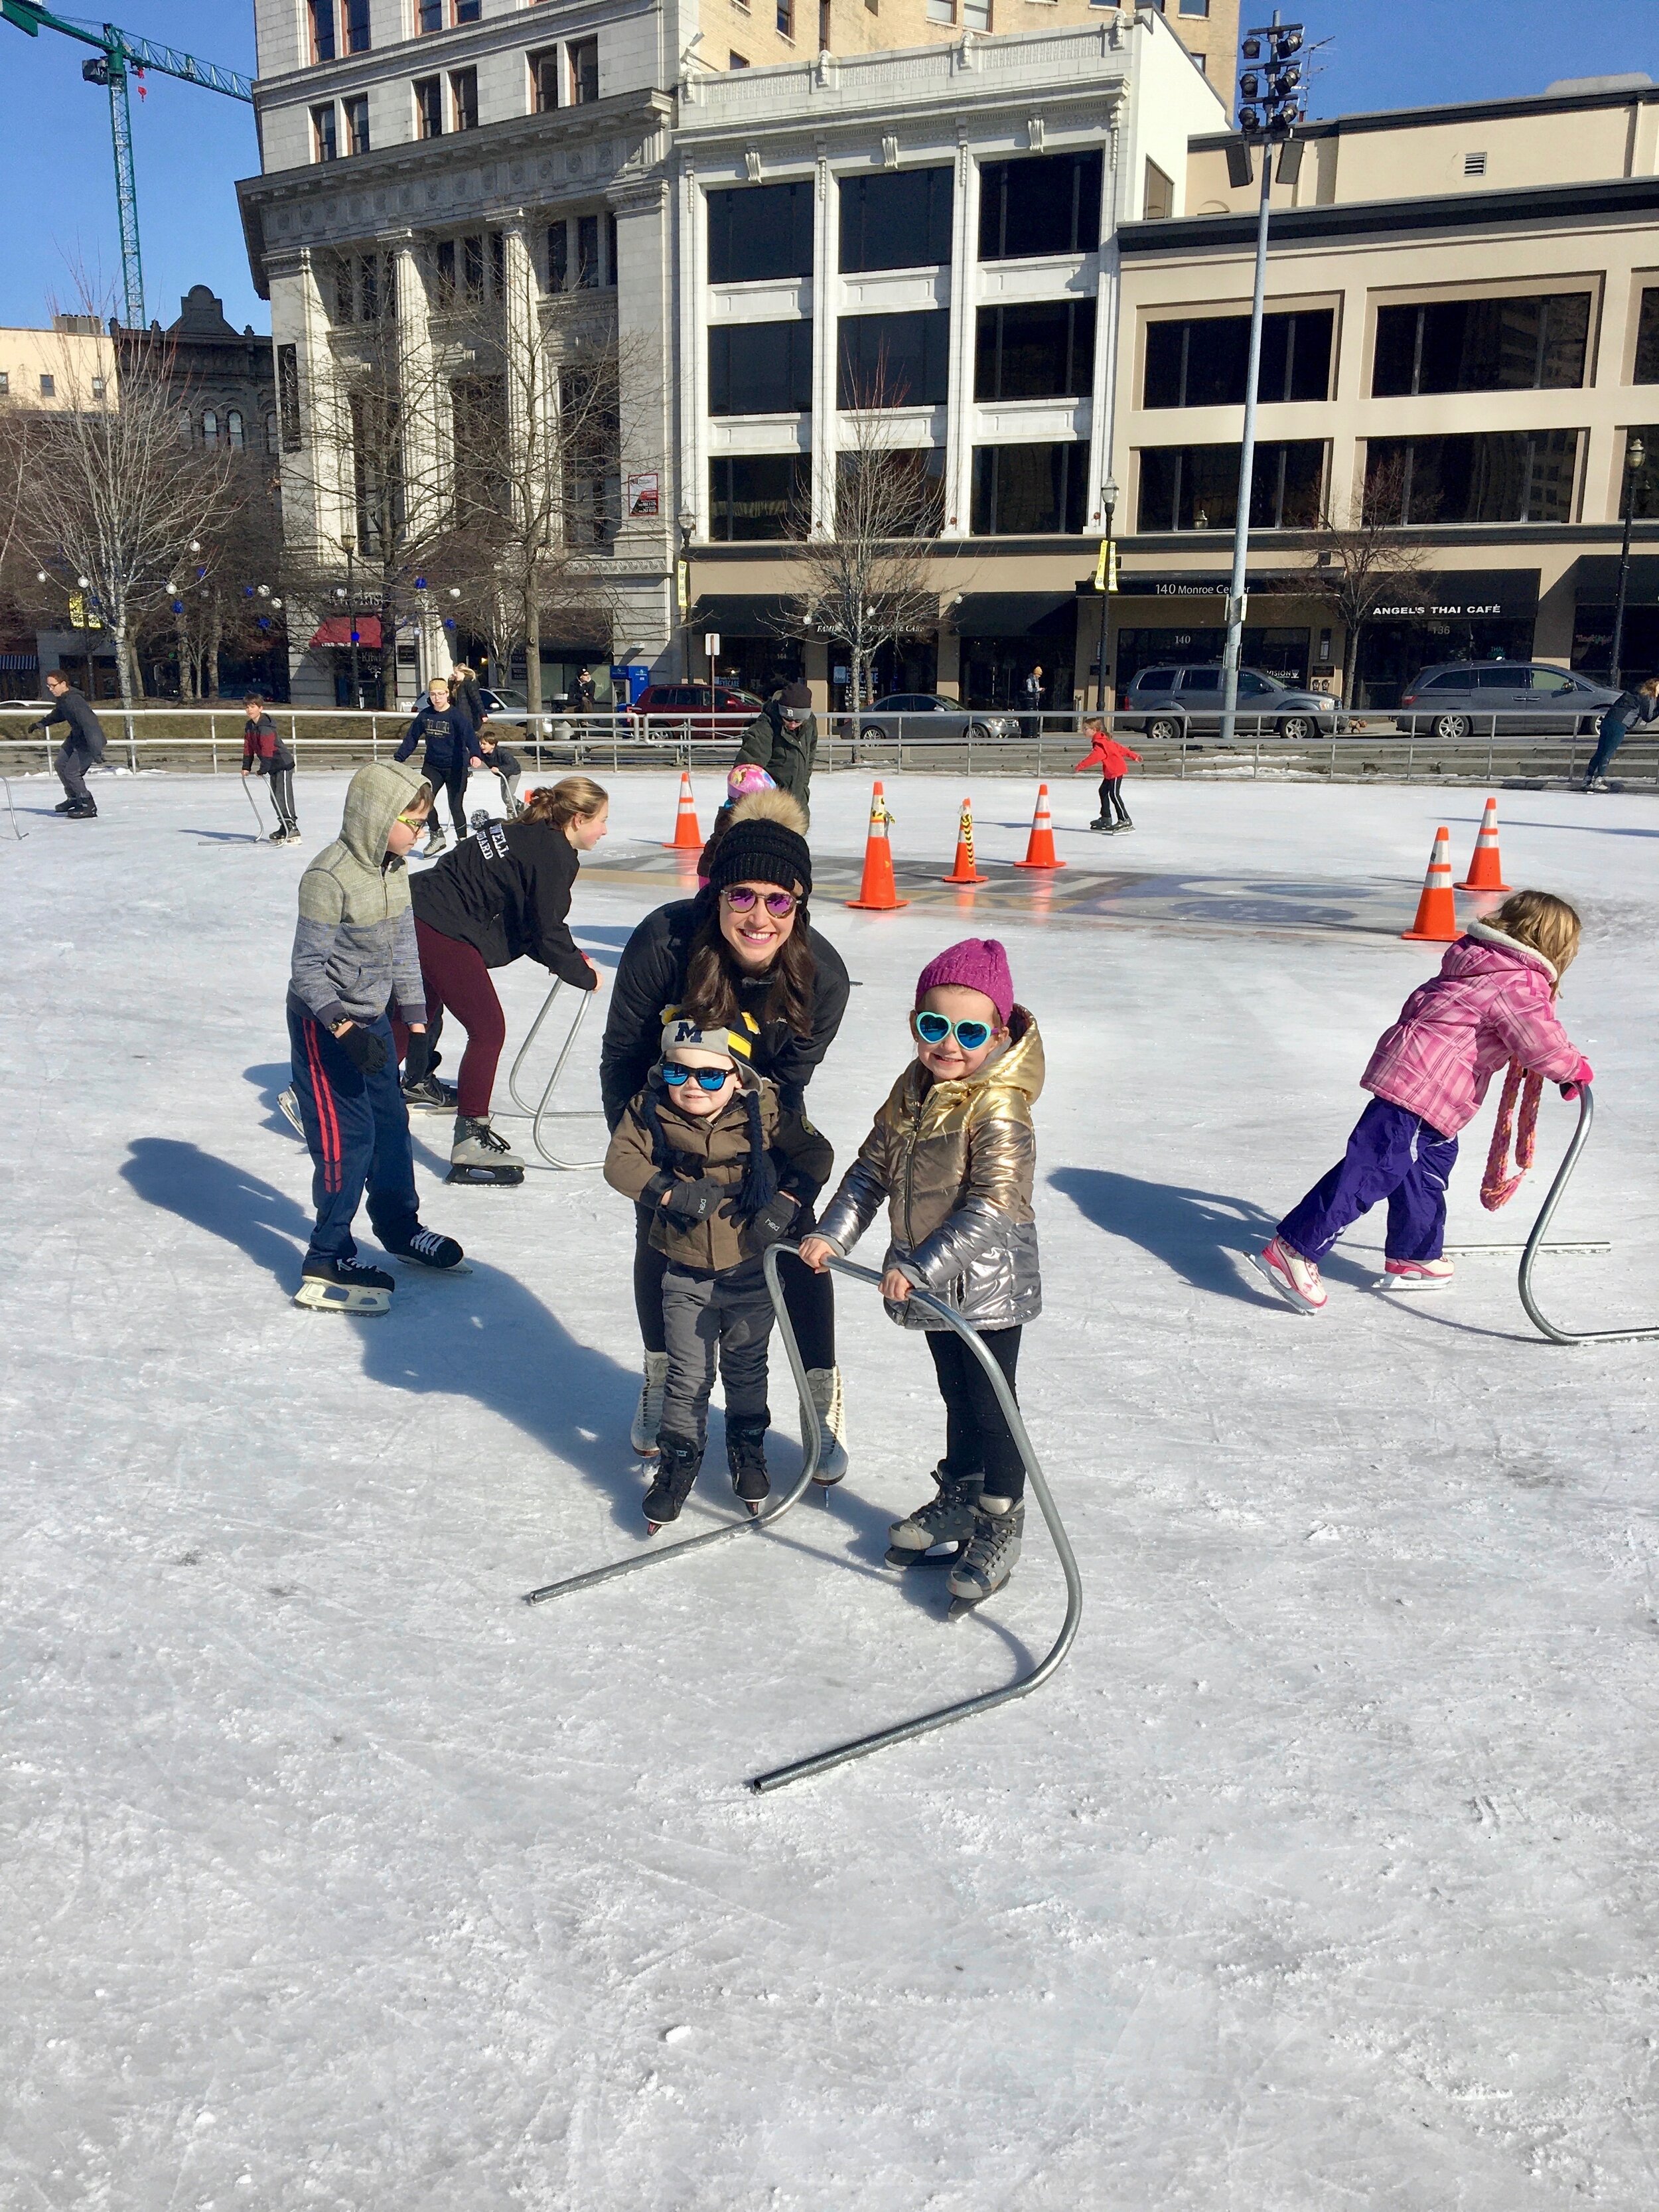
(977, 963)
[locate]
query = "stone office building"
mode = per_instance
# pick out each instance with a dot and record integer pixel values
(751, 230)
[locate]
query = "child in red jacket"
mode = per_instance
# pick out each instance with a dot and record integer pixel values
(1111, 759)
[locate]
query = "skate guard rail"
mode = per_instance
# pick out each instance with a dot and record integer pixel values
(1541, 1230)
(543, 1109)
(778, 1778)
(1488, 748)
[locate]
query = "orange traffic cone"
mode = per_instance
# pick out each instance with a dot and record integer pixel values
(1486, 864)
(1437, 911)
(687, 838)
(877, 893)
(962, 870)
(1040, 853)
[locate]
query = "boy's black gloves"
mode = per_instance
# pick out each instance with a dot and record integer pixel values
(773, 1221)
(688, 1202)
(363, 1049)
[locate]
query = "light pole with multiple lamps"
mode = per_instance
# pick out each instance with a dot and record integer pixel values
(1635, 454)
(1270, 107)
(1108, 509)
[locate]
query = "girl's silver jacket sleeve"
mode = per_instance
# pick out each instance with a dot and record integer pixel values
(861, 1196)
(983, 1257)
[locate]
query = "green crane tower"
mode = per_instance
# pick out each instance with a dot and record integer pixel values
(120, 54)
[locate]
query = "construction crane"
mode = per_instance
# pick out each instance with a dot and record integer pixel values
(121, 54)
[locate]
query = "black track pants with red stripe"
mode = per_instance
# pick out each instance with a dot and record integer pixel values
(357, 1128)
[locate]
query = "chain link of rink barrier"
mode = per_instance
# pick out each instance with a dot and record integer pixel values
(543, 1109)
(779, 1778)
(1495, 746)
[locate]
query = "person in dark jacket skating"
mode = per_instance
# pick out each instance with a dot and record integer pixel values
(744, 946)
(450, 749)
(783, 739)
(265, 753)
(1640, 707)
(500, 897)
(84, 746)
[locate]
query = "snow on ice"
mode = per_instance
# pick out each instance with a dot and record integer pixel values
(1322, 1876)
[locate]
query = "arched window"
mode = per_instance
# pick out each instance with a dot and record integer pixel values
(233, 430)
(209, 428)
(271, 434)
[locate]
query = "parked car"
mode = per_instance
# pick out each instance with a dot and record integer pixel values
(723, 712)
(1170, 698)
(904, 715)
(505, 706)
(1529, 698)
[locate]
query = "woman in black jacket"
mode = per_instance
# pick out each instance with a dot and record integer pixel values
(727, 952)
(500, 897)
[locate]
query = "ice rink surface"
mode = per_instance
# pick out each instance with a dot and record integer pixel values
(1322, 1877)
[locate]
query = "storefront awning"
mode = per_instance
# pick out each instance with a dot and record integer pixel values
(336, 629)
(1464, 595)
(1012, 614)
(737, 614)
(1596, 581)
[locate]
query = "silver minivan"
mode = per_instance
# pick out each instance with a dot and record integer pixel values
(1169, 699)
(1528, 698)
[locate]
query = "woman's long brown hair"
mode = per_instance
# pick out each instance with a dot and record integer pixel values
(712, 975)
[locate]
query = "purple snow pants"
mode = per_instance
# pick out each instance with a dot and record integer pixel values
(1392, 1154)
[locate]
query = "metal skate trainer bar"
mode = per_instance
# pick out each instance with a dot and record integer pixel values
(901, 1731)
(545, 1112)
(1536, 1243)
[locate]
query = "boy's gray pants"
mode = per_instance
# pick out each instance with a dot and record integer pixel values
(702, 1314)
(71, 765)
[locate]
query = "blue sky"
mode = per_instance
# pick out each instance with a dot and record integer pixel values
(57, 189)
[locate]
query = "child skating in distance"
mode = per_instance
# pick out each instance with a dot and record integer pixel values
(265, 753)
(727, 1168)
(1112, 759)
(1491, 1003)
(954, 1151)
(353, 948)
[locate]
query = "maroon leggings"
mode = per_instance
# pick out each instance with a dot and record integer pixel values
(457, 980)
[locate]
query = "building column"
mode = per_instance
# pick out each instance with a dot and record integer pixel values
(959, 401)
(426, 436)
(825, 427)
(1103, 391)
(645, 542)
(310, 474)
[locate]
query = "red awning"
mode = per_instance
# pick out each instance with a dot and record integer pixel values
(336, 629)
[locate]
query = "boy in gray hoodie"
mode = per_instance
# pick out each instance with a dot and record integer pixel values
(354, 946)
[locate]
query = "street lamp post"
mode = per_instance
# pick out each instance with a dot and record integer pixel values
(1108, 509)
(349, 547)
(682, 584)
(1635, 453)
(1270, 97)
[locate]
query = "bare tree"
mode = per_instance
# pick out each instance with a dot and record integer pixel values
(864, 585)
(224, 597)
(114, 496)
(1366, 561)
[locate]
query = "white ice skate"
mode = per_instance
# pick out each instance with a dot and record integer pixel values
(1415, 1275)
(288, 1100)
(824, 1384)
(1296, 1279)
(648, 1417)
(343, 1287)
(479, 1156)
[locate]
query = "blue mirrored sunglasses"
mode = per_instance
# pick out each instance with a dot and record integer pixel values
(708, 1078)
(933, 1029)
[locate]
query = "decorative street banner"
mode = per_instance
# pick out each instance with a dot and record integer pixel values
(642, 493)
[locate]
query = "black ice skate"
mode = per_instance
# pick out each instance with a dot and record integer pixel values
(745, 1455)
(66, 807)
(946, 1518)
(427, 1248)
(678, 1459)
(430, 1096)
(989, 1559)
(343, 1287)
(479, 1156)
(81, 810)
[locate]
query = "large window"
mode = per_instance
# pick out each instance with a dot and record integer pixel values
(584, 71)
(760, 368)
(1482, 345)
(544, 80)
(1196, 487)
(765, 231)
(899, 493)
(463, 98)
(428, 108)
(1022, 491)
(357, 23)
(1204, 361)
(1647, 340)
(324, 145)
(1047, 204)
(899, 219)
(1044, 349)
(895, 361)
(323, 39)
(751, 496)
(356, 116)
(1494, 476)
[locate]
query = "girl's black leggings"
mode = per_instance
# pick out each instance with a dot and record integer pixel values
(1111, 795)
(809, 1299)
(977, 1437)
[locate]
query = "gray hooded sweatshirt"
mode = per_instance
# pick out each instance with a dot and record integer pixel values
(354, 946)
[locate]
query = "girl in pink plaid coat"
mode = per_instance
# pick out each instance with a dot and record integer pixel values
(1492, 1002)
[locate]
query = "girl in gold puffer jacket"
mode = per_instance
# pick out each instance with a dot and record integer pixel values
(954, 1152)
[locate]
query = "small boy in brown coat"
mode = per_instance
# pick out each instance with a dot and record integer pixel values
(727, 1169)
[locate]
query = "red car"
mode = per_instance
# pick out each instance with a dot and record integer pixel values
(678, 705)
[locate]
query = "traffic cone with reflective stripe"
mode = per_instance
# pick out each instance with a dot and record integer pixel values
(877, 893)
(1486, 866)
(1436, 909)
(687, 838)
(1040, 852)
(963, 871)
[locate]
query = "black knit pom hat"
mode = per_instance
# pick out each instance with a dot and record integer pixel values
(764, 845)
